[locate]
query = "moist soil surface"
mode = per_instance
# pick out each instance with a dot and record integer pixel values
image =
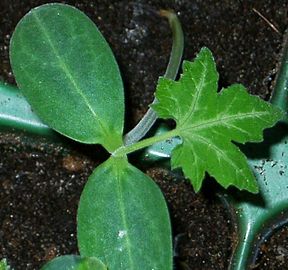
(40, 184)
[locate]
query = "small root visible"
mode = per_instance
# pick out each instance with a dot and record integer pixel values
(267, 21)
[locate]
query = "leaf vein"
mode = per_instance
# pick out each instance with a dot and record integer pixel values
(224, 120)
(222, 155)
(199, 88)
(69, 75)
(123, 216)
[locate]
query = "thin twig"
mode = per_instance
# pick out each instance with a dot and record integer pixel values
(267, 21)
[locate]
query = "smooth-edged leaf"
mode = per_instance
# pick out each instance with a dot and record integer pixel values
(68, 73)
(209, 122)
(4, 265)
(74, 262)
(123, 219)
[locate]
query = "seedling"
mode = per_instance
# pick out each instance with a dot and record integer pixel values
(257, 216)
(68, 73)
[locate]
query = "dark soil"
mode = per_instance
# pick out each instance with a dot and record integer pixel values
(39, 192)
(40, 186)
(274, 252)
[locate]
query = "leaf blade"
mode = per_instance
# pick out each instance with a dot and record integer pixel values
(4, 265)
(209, 123)
(64, 66)
(193, 77)
(123, 219)
(74, 262)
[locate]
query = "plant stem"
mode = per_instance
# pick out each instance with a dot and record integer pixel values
(140, 130)
(124, 150)
(177, 46)
(280, 94)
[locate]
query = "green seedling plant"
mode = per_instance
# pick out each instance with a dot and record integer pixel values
(68, 73)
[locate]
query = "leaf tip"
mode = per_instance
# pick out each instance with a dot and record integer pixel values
(196, 187)
(252, 188)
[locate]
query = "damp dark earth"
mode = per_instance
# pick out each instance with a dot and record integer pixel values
(41, 182)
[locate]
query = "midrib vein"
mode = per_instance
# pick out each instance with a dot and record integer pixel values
(198, 93)
(123, 217)
(215, 122)
(69, 75)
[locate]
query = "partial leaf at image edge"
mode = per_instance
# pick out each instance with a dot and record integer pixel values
(74, 262)
(68, 73)
(4, 265)
(209, 122)
(123, 219)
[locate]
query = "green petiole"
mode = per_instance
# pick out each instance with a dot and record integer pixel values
(124, 150)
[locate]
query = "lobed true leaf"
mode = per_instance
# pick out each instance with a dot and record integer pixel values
(209, 122)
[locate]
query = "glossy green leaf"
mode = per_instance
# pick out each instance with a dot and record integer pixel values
(123, 219)
(69, 75)
(208, 122)
(73, 262)
(4, 265)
